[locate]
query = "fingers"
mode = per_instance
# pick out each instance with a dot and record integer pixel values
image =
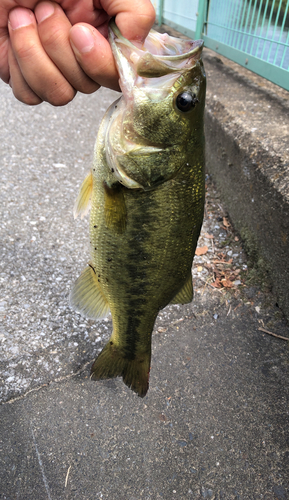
(50, 61)
(20, 88)
(53, 31)
(4, 43)
(133, 18)
(92, 50)
(36, 67)
(94, 55)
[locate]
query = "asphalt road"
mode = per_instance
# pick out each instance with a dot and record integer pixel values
(215, 421)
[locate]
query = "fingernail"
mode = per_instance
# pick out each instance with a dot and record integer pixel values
(20, 17)
(43, 11)
(82, 39)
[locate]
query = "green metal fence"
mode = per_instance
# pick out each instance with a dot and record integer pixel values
(253, 33)
(181, 15)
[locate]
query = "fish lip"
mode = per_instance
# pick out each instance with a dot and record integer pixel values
(148, 61)
(113, 30)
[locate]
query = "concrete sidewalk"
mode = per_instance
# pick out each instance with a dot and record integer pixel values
(215, 421)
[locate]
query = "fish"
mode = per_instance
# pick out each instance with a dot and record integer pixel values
(145, 193)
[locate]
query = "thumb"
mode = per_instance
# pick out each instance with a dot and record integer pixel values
(134, 19)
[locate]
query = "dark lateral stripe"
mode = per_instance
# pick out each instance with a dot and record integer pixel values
(132, 336)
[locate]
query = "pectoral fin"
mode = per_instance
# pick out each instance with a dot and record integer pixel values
(186, 293)
(82, 203)
(87, 297)
(114, 207)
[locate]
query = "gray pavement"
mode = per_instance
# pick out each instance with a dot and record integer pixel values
(215, 421)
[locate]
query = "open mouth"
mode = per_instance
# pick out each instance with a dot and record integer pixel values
(160, 54)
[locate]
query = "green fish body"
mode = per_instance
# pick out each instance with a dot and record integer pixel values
(146, 192)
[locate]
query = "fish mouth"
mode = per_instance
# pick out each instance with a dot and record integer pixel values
(148, 75)
(159, 56)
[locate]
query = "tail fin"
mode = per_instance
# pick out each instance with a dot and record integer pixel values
(111, 363)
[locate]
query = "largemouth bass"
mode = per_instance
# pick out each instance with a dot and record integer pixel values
(146, 191)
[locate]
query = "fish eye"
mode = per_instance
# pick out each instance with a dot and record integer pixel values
(186, 101)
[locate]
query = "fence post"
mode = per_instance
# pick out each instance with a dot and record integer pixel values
(161, 10)
(200, 19)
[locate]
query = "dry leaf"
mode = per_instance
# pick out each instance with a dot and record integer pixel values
(217, 284)
(211, 236)
(201, 250)
(226, 283)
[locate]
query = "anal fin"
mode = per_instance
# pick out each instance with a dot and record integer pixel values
(185, 294)
(87, 298)
(82, 202)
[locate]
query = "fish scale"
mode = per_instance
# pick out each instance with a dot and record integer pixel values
(147, 200)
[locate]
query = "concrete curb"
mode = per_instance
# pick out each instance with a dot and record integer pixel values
(247, 148)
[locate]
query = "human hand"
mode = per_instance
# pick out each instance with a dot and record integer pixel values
(49, 51)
